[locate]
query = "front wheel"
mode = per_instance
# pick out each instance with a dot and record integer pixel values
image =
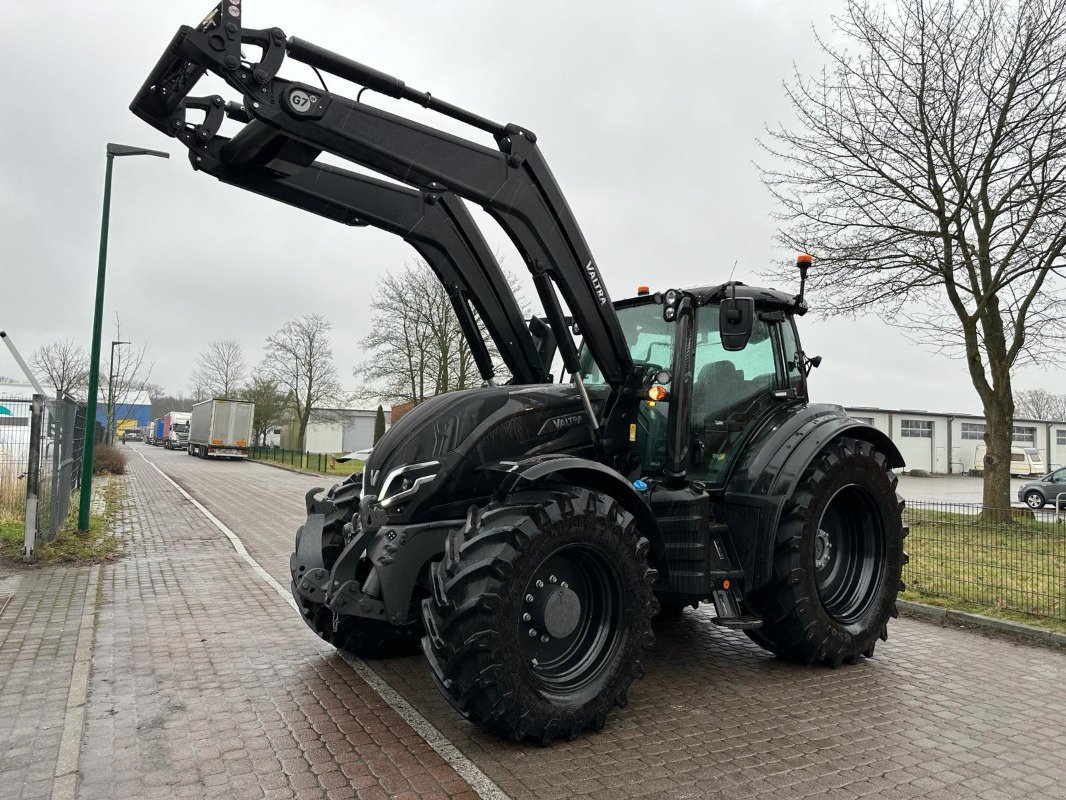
(838, 559)
(540, 613)
(1034, 499)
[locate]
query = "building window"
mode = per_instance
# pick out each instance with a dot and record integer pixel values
(1060, 437)
(1024, 435)
(918, 428)
(868, 420)
(973, 430)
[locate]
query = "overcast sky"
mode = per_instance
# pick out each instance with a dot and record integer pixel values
(647, 112)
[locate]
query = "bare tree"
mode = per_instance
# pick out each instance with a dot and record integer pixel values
(271, 405)
(927, 174)
(66, 366)
(1040, 404)
(417, 348)
(130, 376)
(220, 368)
(163, 403)
(299, 358)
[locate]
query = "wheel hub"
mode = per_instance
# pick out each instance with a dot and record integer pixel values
(823, 549)
(569, 617)
(562, 612)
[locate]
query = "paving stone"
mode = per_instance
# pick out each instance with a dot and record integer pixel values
(204, 683)
(937, 713)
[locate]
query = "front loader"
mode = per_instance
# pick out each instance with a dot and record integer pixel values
(526, 533)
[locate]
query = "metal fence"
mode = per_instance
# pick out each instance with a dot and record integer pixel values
(41, 443)
(962, 553)
(314, 462)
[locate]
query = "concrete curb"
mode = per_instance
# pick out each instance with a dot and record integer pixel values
(947, 616)
(65, 783)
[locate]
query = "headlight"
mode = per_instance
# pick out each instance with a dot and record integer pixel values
(405, 482)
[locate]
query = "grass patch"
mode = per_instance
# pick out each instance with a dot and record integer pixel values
(311, 463)
(1013, 570)
(71, 546)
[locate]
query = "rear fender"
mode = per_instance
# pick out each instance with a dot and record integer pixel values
(770, 468)
(589, 474)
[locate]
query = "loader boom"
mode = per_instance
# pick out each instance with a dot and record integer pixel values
(514, 183)
(437, 224)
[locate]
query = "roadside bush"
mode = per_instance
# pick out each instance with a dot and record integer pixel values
(109, 460)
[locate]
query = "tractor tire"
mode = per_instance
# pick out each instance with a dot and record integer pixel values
(541, 611)
(366, 638)
(838, 557)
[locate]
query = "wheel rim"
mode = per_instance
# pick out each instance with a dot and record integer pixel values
(569, 622)
(849, 554)
(1034, 500)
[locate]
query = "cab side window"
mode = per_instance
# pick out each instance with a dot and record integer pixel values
(730, 390)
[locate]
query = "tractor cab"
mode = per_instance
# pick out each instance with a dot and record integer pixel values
(730, 391)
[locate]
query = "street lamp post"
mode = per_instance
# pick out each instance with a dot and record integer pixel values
(109, 418)
(98, 322)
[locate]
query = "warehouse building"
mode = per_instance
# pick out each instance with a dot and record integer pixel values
(331, 430)
(947, 443)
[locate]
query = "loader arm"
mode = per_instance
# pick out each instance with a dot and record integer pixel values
(513, 183)
(437, 224)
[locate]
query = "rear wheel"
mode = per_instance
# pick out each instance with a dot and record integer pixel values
(540, 613)
(837, 561)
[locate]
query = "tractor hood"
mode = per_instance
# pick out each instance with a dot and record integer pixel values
(444, 442)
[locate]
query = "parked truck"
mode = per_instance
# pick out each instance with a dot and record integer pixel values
(176, 430)
(221, 428)
(155, 431)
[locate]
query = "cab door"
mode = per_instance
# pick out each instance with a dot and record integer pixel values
(733, 391)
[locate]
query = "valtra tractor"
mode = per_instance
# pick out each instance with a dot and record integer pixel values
(524, 534)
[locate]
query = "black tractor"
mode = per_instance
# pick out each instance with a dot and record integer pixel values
(525, 534)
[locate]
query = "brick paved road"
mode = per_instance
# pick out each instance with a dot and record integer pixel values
(204, 684)
(938, 713)
(40, 616)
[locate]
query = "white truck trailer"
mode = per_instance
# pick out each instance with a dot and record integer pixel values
(221, 428)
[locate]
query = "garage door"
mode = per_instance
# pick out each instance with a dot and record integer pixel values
(916, 443)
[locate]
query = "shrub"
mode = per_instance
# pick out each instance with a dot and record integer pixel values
(109, 459)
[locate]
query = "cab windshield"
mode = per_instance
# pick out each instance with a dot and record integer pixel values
(732, 390)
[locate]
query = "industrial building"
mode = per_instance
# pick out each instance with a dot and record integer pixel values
(947, 442)
(330, 430)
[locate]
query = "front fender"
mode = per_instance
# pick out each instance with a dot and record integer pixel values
(770, 468)
(591, 475)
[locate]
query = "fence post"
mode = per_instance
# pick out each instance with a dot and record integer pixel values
(33, 474)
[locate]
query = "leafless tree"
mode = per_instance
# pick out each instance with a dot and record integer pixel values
(927, 174)
(1040, 404)
(130, 376)
(65, 364)
(220, 368)
(271, 405)
(299, 358)
(417, 348)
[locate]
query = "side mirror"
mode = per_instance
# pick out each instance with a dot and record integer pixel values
(735, 319)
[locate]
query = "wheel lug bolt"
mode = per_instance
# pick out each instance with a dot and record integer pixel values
(544, 638)
(532, 633)
(527, 617)
(529, 598)
(565, 585)
(540, 584)
(553, 579)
